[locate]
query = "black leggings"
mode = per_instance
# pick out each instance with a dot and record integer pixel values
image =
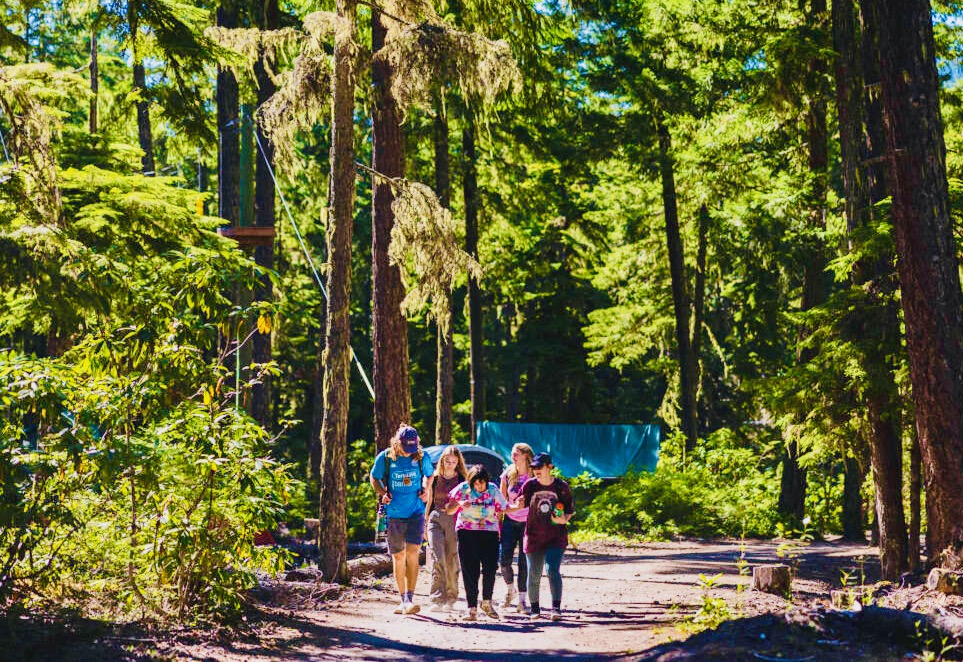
(478, 550)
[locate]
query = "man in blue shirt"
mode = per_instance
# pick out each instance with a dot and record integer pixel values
(399, 477)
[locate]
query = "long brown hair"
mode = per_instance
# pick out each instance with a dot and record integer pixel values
(395, 449)
(460, 469)
(511, 476)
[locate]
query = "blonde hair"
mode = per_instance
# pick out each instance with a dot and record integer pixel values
(460, 468)
(395, 449)
(511, 476)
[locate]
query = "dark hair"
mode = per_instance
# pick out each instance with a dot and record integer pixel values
(477, 472)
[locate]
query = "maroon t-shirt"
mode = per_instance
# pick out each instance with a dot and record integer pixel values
(441, 486)
(541, 532)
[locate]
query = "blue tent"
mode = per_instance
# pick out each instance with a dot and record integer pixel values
(604, 451)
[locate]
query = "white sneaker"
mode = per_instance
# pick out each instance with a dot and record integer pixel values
(447, 607)
(435, 607)
(486, 606)
(400, 609)
(510, 596)
(534, 616)
(412, 608)
(556, 615)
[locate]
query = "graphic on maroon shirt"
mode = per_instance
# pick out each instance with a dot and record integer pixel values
(540, 531)
(541, 506)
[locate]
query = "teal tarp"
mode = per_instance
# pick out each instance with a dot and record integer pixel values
(605, 451)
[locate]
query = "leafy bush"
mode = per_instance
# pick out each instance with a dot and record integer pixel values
(722, 491)
(139, 509)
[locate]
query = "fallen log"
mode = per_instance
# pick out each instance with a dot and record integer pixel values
(373, 564)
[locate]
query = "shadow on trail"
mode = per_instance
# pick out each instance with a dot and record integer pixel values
(352, 644)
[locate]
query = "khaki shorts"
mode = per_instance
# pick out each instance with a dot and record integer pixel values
(410, 531)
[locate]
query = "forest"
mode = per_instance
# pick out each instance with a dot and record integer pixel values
(241, 242)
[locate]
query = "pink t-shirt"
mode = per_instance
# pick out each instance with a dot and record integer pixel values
(513, 492)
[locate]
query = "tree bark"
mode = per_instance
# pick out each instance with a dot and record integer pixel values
(392, 405)
(264, 212)
(94, 81)
(445, 385)
(680, 292)
(699, 302)
(144, 135)
(853, 500)
(333, 525)
(792, 486)
(475, 339)
(926, 259)
(876, 324)
(915, 488)
(317, 402)
(228, 131)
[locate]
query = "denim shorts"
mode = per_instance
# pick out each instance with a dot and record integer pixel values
(410, 530)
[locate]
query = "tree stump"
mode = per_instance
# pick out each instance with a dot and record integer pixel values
(772, 579)
(945, 581)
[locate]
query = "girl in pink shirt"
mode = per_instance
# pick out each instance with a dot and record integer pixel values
(513, 526)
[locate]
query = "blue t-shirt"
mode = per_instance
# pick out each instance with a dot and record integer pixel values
(404, 481)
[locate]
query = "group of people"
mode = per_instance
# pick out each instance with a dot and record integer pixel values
(473, 526)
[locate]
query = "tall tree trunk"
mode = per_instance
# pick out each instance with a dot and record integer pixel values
(144, 135)
(852, 499)
(392, 405)
(792, 486)
(94, 80)
(475, 340)
(699, 301)
(333, 529)
(317, 402)
(445, 385)
(865, 186)
(680, 292)
(228, 130)
(915, 487)
(792, 497)
(926, 260)
(264, 218)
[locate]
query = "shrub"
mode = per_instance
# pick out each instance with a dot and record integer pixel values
(723, 491)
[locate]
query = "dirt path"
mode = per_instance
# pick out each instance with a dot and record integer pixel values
(618, 601)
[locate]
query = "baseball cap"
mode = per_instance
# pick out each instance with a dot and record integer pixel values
(541, 460)
(409, 439)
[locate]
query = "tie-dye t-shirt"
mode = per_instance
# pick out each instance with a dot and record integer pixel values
(482, 513)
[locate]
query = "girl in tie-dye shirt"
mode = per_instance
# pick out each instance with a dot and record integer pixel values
(478, 504)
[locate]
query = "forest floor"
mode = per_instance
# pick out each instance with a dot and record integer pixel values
(624, 601)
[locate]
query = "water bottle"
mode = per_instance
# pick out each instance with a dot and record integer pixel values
(381, 522)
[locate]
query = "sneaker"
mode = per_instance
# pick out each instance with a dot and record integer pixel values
(400, 609)
(556, 615)
(447, 607)
(510, 596)
(535, 615)
(471, 615)
(435, 607)
(412, 608)
(486, 606)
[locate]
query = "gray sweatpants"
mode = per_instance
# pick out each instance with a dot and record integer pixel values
(443, 546)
